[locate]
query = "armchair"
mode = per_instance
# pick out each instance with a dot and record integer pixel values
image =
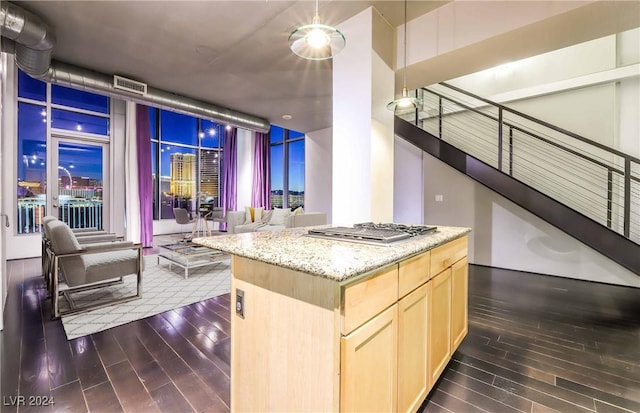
(84, 236)
(89, 266)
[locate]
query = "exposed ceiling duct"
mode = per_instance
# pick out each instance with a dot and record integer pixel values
(32, 42)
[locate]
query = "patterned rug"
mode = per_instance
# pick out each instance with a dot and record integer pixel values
(163, 289)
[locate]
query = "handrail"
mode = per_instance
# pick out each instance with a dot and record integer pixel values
(533, 135)
(601, 160)
(543, 123)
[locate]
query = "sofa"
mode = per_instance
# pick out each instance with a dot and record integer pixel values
(237, 222)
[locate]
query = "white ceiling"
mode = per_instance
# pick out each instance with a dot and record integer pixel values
(230, 53)
(235, 54)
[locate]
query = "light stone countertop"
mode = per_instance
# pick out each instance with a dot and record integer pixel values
(337, 260)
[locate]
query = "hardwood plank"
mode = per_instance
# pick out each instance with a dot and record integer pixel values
(474, 398)
(152, 375)
(499, 395)
(108, 348)
(62, 370)
(136, 352)
(452, 403)
(543, 398)
(102, 398)
(199, 395)
(170, 400)
(131, 393)
(604, 396)
(88, 364)
(69, 398)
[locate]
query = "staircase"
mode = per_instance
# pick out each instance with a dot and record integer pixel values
(586, 189)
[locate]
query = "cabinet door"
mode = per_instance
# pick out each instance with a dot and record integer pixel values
(439, 324)
(459, 302)
(369, 365)
(413, 376)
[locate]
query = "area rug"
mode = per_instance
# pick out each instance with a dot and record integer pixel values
(163, 289)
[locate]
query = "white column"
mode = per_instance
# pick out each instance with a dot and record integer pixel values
(363, 84)
(245, 168)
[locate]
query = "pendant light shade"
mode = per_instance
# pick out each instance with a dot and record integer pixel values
(316, 41)
(404, 102)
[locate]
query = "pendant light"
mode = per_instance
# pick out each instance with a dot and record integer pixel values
(316, 41)
(405, 102)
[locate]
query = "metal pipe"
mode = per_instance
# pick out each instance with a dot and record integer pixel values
(32, 42)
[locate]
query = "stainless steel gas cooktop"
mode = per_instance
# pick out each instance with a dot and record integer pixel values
(371, 233)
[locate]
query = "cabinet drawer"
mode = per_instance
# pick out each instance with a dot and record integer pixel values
(364, 299)
(413, 272)
(444, 256)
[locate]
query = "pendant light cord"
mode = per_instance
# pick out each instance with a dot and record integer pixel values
(404, 69)
(316, 18)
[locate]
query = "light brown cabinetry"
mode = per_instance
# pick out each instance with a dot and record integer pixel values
(374, 343)
(440, 324)
(413, 378)
(459, 302)
(368, 365)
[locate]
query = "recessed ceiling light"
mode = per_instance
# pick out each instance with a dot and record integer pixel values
(287, 117)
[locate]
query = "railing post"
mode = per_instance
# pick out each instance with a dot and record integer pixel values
(440, 117)
(609, 196)
(500, 139)
(510, 151)
(627, 197)
(417, 108)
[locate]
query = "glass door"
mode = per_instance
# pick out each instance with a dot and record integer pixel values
(79, 198)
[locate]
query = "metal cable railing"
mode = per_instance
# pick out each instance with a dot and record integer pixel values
(599, 182)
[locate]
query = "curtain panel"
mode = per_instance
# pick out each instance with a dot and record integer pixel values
(145, 183)
(261, 192)
(229, 172)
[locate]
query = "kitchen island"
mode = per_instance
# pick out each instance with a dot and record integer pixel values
(323, 325)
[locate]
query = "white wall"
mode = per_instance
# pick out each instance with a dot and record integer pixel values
(3, 262)
(408, 184)
(507, 236)
(245, 168)
(362, 129)
(117, 147)
(318, 171)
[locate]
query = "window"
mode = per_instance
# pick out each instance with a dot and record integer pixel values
(186, 165)
(86, 114)
(287, 168)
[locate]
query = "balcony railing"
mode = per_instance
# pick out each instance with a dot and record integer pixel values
(77, 213)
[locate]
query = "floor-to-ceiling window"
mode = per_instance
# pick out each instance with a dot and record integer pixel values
(186, 165)
(287, 168)
(63, 135)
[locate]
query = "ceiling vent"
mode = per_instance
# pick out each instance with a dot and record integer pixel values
(129, 85)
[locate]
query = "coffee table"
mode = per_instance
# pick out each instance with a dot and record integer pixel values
(187, 255)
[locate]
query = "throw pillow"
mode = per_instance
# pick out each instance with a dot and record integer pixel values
(266, 217)
(298, 211)
(253, 214)
(279, 216)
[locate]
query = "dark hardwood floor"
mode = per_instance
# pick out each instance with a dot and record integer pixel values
(535, 344)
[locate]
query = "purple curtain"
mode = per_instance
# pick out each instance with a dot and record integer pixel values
(145, 185)
(261, 193)
(229, 171)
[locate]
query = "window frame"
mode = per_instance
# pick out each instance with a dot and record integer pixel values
(286, 140)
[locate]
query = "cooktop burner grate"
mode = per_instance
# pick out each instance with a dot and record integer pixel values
(371, 233)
